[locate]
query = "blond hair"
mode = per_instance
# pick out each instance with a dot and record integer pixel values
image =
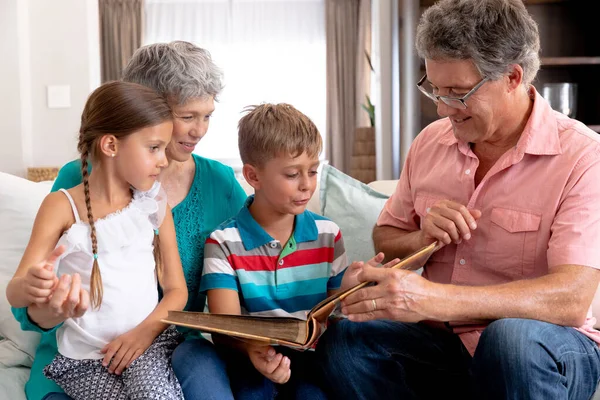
(271, 130)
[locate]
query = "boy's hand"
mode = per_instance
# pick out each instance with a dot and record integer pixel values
(122, 351)
(350, 276)
(274, 366)
(40, 280)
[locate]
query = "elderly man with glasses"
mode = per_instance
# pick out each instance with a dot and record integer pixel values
(510, 189)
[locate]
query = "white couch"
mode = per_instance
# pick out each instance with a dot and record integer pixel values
(19, 202)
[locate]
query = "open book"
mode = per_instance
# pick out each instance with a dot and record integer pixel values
(290, 332)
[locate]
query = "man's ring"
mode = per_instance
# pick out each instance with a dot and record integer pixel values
(374, 304)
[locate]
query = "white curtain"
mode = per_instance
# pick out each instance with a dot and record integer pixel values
(270, 51)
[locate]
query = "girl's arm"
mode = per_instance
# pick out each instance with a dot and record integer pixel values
(35, 277)
(127, 347)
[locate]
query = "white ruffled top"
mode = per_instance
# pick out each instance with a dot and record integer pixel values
(126, 261)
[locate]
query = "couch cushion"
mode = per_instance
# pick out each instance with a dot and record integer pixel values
(19, 202)
(354, 207)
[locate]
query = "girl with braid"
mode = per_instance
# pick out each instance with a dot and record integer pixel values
(110, 239)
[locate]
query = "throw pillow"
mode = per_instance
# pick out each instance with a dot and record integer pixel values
(20, 200)
(354, 207)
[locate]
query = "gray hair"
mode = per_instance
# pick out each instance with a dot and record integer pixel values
(492, 33)
(178, 70)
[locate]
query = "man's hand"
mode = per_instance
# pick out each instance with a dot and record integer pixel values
(40, 279)
(122, 351)
(274, 366)
(448, 222)
(398, 295)
(350, 276)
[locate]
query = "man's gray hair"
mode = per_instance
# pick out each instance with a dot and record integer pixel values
(178, 70)
(493, 33)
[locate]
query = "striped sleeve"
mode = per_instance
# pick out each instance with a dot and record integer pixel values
(217, 272)
(340, 263)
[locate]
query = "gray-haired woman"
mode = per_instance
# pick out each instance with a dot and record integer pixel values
(201, 192)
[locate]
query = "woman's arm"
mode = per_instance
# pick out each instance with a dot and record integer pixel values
(69, 175)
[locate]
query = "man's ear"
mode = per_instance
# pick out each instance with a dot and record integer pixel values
(515, 77)
(252, 175)
(109, 145)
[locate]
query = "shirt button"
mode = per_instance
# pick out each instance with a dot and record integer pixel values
(280, 262)
(273, 245)
(462, 261)
(427, 209)
(468, 171)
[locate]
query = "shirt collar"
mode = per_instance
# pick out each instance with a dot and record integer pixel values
(253, 235)
(539, 137)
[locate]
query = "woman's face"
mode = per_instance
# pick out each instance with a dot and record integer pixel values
(189, 126)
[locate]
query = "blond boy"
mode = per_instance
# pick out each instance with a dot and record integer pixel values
(275, 258)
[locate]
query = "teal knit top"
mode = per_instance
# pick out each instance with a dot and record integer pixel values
(215, 196)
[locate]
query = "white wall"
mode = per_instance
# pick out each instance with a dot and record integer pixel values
(382, 58)
(57, 43)
(11, 151)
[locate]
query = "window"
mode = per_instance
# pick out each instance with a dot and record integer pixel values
(269, 50)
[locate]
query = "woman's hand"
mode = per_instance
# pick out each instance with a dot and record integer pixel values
(122, 351)
(274, 366)
(448, 222)
(67, 300)
(350, 278)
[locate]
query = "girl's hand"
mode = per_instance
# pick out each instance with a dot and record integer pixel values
(274, 366)
(350, 278)
(122, 351)
(68, 300)
(40, 280)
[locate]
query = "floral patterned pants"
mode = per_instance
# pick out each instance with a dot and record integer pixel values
(150, 376)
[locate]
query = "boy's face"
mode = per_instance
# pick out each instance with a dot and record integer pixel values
(287, 183)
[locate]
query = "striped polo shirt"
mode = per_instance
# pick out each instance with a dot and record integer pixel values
(275, 279)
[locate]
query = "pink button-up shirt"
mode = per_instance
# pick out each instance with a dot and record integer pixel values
(540, 204)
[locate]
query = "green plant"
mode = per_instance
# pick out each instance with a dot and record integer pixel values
(370, 109)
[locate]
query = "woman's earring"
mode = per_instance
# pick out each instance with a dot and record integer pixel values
(113, 155)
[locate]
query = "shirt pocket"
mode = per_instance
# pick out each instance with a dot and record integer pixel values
(423, 202)
(512, 243)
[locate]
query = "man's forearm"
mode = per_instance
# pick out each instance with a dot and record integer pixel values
(396, 243)
(561, 298)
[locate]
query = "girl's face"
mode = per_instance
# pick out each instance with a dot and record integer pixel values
(189, 126)
(141, 156)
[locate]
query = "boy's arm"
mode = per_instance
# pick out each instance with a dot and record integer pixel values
(336, 280)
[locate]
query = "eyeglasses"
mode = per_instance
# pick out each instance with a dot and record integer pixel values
(454, 102)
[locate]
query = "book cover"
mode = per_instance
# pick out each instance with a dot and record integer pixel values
(291, 332)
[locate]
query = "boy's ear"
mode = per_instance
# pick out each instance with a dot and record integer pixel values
(251, 174)
(109, 145)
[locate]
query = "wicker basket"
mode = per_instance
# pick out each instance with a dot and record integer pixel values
(39, 174)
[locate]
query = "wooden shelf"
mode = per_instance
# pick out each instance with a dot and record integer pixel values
(557, 61)
(594, 128)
